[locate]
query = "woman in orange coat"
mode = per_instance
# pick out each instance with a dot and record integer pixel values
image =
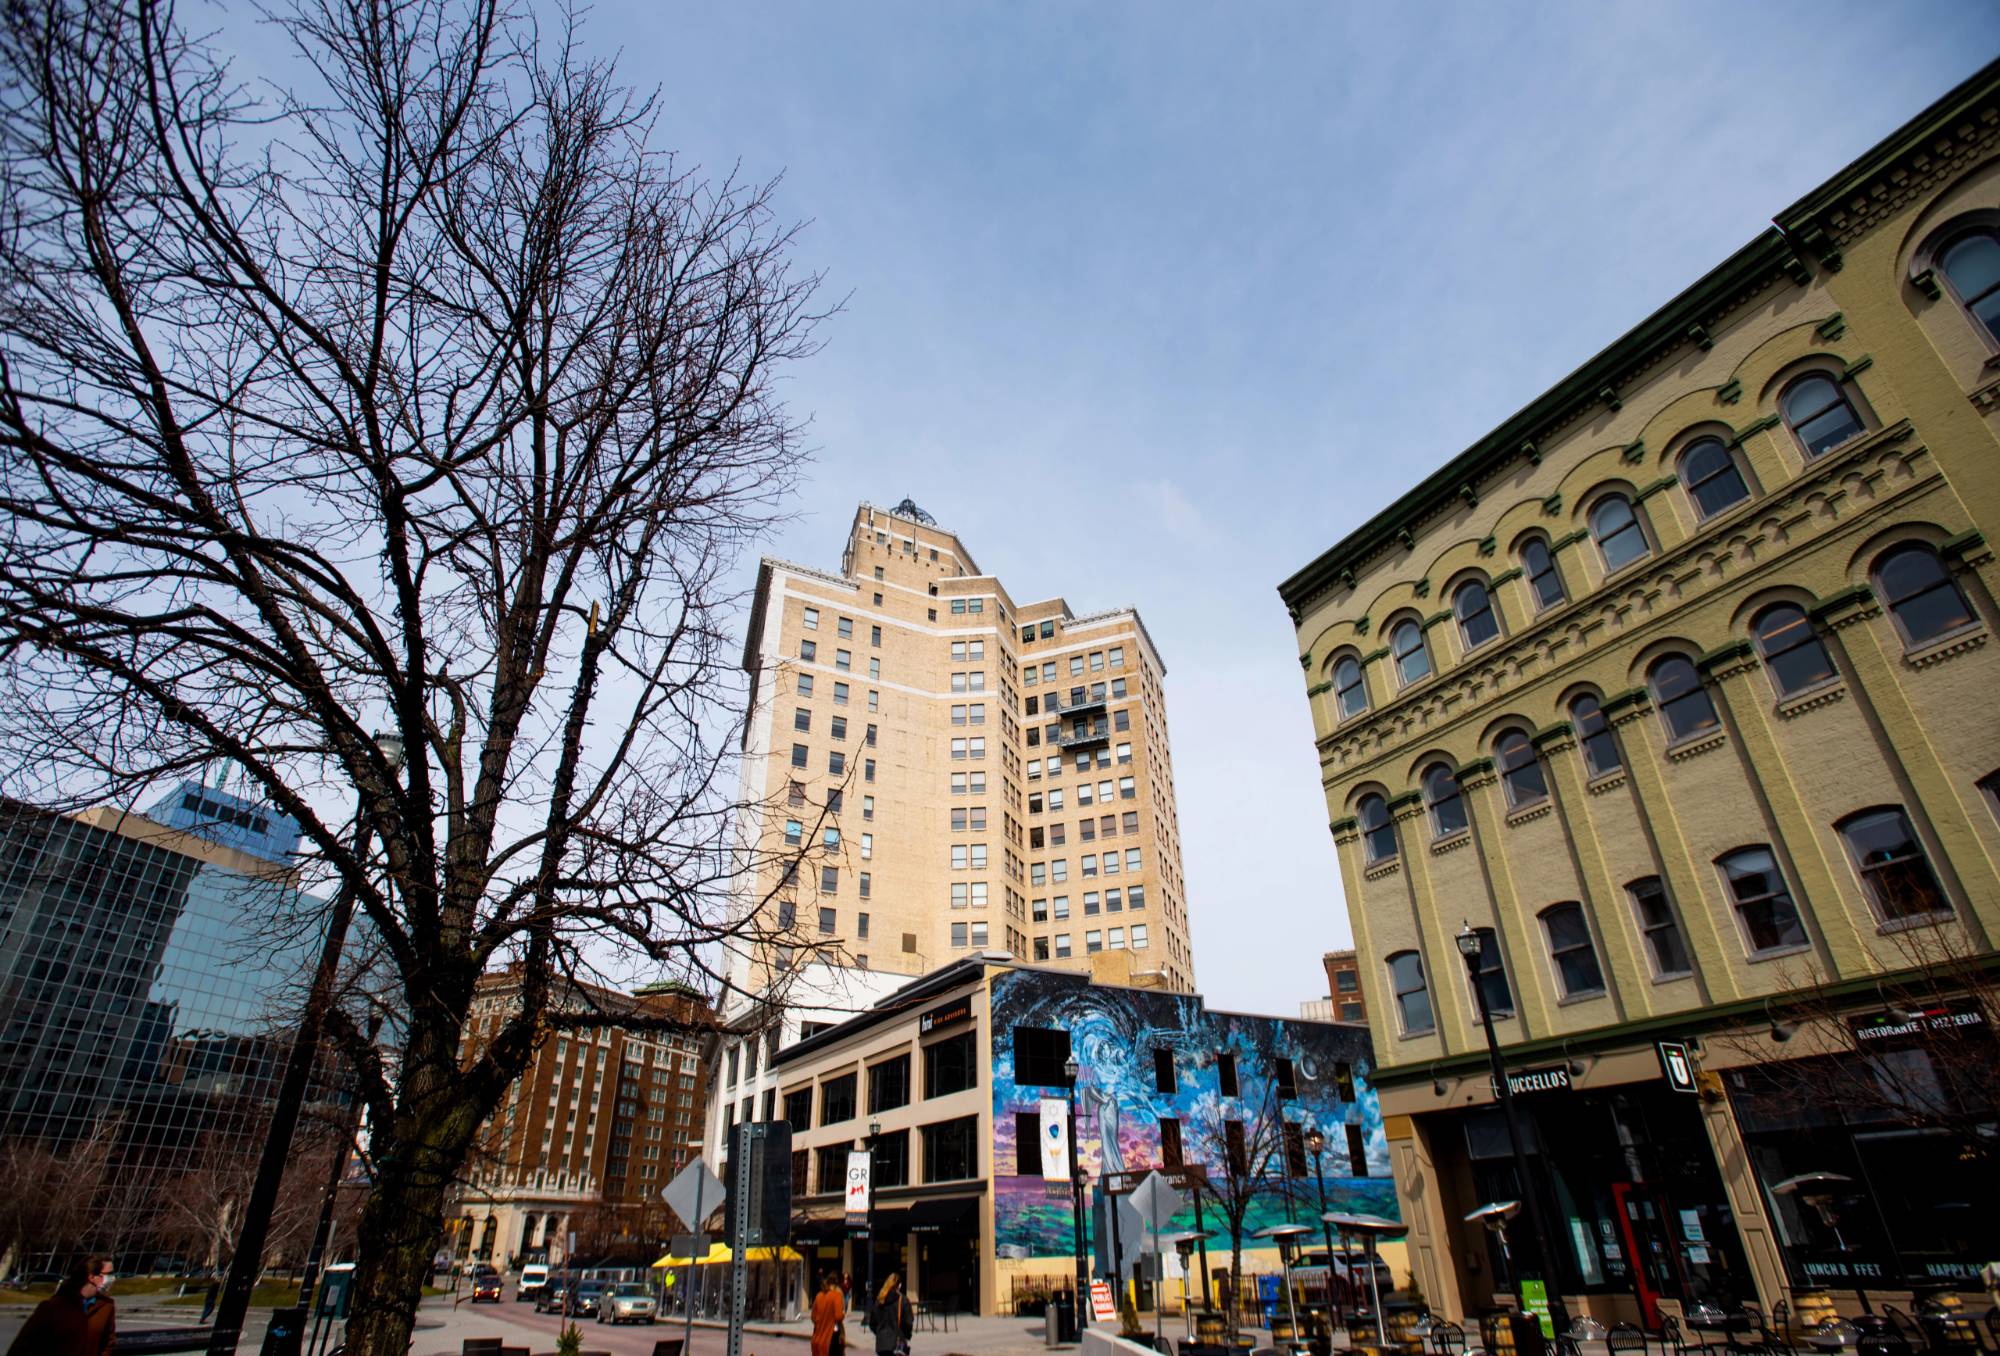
(829, 1311)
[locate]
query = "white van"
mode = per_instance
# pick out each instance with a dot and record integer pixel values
(533, 1277)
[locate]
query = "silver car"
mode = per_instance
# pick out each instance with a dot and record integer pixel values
(627, 1302)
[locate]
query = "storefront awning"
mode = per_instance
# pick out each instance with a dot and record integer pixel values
(891, 1224)
(719, 1252)
(809, 1231)
(942, 1216)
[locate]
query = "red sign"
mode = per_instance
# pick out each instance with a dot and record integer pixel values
(1101, 1310)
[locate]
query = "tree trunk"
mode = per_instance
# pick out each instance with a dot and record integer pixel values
(1235, 1279)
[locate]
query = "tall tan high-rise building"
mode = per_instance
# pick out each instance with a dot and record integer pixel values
(962, 772)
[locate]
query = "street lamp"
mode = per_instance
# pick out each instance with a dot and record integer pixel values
(1071, 1069)
(1470, 945)
(247, 1260)
(1316, 1146)
(874, 1133)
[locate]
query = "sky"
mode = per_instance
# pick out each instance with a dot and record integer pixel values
(1152, 303)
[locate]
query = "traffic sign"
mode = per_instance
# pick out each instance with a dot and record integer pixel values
(1675, 1065)
(694, 1195)
(1156, 1201)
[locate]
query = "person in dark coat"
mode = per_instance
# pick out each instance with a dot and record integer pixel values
(78, 1320)
(894, 1319)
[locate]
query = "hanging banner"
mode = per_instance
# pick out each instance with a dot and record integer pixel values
(857, 1188)
(1055, 1140)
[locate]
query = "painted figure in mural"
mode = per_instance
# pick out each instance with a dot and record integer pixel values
(1105, 1103)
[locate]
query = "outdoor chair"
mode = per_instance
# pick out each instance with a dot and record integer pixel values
(1671, 1337)
(1993, 1328)
(670, 1346)
(1778, 1333)
(1902, 1330)
(1446, 1339)
(1625, 1337)
(481, 1346)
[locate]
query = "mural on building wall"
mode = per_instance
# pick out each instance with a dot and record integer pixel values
(1114, 1033)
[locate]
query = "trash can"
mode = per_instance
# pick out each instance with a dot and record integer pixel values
(1060, 1325)
(287, 1332)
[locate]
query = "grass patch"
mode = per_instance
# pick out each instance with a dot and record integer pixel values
(269, 1295)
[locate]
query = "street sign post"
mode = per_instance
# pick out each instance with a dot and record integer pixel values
(1156, 1203)
(692, 1195)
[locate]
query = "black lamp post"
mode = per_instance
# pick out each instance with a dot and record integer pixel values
(874, 1133)
(1072, 1069)
(1470, 944)
(248, 1258)
(1316, 1146)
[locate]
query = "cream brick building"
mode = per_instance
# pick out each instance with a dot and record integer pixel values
(961, 771)
(1677, 689)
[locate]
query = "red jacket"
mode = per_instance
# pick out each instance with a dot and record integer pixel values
(60, 1327)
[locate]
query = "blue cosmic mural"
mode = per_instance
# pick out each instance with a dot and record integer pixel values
(1114, 1034)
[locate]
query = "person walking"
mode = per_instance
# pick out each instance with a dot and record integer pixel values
(893, 1320)
(828, 1312)
(80, 1319)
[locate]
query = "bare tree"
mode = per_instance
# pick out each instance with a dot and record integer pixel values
(420, 395)
(32, 1208)
(1244, 1158)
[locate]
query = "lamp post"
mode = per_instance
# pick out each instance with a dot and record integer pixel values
(1470, 945)
(1316, 1146)
(1071, 1068)
(874, 1133)
(247, 1260)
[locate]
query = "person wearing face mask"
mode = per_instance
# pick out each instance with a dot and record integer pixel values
(78, 1320)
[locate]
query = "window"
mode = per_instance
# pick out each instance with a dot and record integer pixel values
(1378, 834)
(1544, 582)
(832, 1166)
(1594, 737)
(1357, 1152)
(1615, 528)
(845, 628)
(875, 635)
(1683, 701)
(867, 843)
(1762, 900)
(951, 1150)
(1919, 593)
(812, 619)
(1040, 1052)
(829, 880)
(1350, 691)
(840, 694)
(1286, 1076)
(1406, 643)
(808, 651)
(867, 888)
(828, 922)
(1412, 995)
(805, 685)
(836, 762)
(1971, 264)
(1818, 414)
(1062, 946)
(867, 809)
(950, 1065)
(842, 660)
(1711, 477)
(889, 1084)
(1570, 948)
(793, 831)
(1225, 1074)
(1791, 650)
(1894, 871)
(1238, 1152)
(1494, 991)
(1473, 607)
(799, 755)
(861, 920)
(836, 1100)
(892, 1159)
(1138, 936)
(1172, 1156)
(1520, 770)
(1164, 1080)
(1447, 806)
(799, 1109)
(839, 727)
(830, 839)
(958, 934)
(1664, 944)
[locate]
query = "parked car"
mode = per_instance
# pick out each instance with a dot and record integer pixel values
(588, 1295)
(533, 1276)
(549, 1299)
(627, 1302)
(486, 1285)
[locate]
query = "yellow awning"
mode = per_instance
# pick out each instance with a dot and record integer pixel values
(719, 1252)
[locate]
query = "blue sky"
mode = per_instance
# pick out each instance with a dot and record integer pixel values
(1153, 302)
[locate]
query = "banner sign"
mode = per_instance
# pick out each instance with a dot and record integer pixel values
(1055, 1140)
(1884, 1026)
(1101, 1311)
(857, 1187)
(957, 1010)
(1525, 1082)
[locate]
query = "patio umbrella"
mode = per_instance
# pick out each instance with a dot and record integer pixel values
(1285, 1234)
(1371, 1228)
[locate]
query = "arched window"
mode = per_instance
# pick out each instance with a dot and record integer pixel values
(1447, 806)
(1920, 594)
(1378, 834)
(1413, 996)
(1615, 528)
(1971, 264)
(1711, 477)
(1406, 644)
(1520, 770)
(1791, 649)
(1494, 990)
(1474, 609)
(1818, 413)
(1664, 943)
(1571, 950)
(1763, 901)
(1683, 701)
(1543, 580)
(1894, 871)
(1593, 735)
(1350, 689)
